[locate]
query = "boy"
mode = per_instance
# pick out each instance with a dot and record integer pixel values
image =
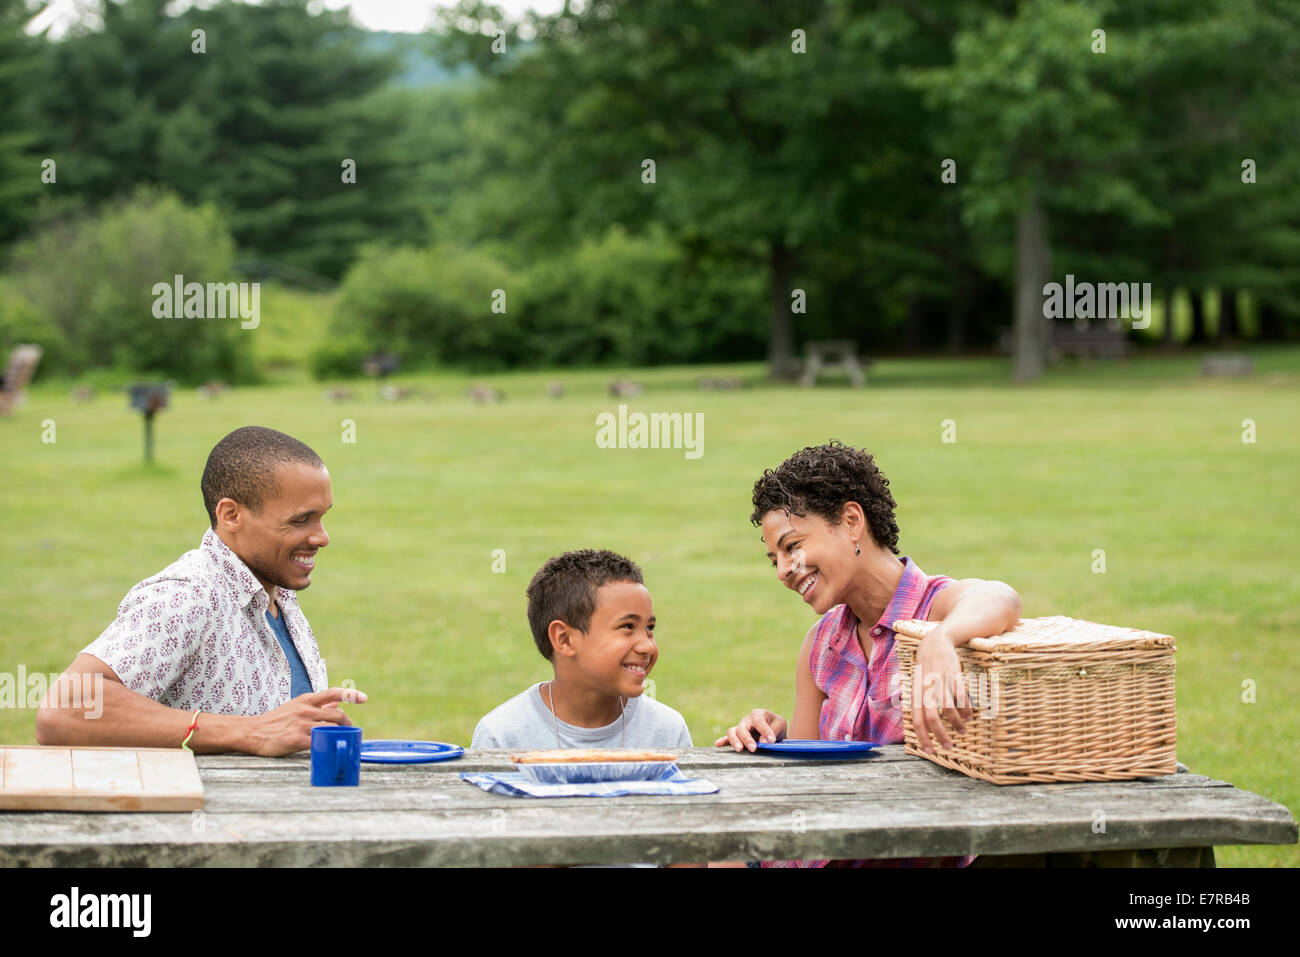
(592, 619)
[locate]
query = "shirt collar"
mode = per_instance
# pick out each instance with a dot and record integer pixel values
(902, 605)
(907, 594)
(243, 581)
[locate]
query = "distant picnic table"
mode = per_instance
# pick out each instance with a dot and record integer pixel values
(832, 354)
(263, 812)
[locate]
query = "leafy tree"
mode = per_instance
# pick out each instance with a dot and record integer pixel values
(1036, 111)
(1222, 111)
(20, 161)
(257, 114)
(755, 118)
(1133, 152)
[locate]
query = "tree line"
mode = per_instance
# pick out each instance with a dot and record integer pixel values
(907, 175)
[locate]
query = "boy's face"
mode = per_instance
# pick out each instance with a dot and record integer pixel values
(618, 649)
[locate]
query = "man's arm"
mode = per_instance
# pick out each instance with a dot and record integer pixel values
(101, 711)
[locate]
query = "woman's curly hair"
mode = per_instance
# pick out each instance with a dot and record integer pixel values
(820, 479)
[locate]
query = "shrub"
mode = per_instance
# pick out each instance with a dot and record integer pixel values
(431, 304)
(639, 300)
(21, 323)
(633, 300)
(91, 278)
(340, 357)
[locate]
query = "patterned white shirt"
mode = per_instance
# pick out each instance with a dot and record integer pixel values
(195, 636)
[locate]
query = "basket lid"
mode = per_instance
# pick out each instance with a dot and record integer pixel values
(1053, 633)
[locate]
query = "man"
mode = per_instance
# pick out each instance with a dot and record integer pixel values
(213, 651)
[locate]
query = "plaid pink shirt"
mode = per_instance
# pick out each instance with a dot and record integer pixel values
(863, 700)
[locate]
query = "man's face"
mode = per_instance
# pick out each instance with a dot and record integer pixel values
(618, 649)
(279, 543)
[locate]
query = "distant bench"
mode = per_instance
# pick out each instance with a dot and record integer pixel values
(1089, 342)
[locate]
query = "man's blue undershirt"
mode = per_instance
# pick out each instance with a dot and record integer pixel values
(299, 683)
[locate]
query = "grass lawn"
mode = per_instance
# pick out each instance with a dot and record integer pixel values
(1144, 460)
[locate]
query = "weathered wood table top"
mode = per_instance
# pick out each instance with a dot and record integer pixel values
(264, 812)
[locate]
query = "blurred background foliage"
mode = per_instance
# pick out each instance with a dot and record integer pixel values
(524, 169)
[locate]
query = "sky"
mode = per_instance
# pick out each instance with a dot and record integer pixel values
(399, 16)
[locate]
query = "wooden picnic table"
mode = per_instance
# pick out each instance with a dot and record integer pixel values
(264, 812)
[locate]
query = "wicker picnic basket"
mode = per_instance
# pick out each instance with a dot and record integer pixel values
(1055, 699)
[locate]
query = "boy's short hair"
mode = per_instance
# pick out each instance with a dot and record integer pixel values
(821, 479)
(565, 586)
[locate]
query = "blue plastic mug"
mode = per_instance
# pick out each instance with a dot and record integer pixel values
(335, 756)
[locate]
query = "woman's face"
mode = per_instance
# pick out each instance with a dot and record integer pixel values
(813, 558)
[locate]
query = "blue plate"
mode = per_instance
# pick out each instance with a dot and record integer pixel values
(408, 752)
(803, 748)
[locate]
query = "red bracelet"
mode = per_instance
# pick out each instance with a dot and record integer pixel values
(189, 732)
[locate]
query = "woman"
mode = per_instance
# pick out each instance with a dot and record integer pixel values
(828, 527)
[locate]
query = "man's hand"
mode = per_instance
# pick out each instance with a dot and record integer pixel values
(288, 728)
(938, 684)
(763, 724)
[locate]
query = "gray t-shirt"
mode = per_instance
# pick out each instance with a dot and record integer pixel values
(525, 722)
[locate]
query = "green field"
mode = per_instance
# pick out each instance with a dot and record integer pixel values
(1144, 460)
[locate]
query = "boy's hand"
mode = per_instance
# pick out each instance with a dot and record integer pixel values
(766, 725)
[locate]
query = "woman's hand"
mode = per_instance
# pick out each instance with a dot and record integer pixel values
(767, 725)
(938, 684)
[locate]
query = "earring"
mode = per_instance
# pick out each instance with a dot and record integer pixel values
(857, 551)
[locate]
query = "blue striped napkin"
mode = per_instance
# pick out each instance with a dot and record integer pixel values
(515, 784)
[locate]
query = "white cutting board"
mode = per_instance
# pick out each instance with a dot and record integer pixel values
(98, 779)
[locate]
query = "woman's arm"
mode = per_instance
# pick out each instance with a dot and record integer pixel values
(761, 723)
(966, 609)
(808, 698)
(974, 608)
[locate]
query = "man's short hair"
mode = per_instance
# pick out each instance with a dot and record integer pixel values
(564, 588)
(242, 467)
